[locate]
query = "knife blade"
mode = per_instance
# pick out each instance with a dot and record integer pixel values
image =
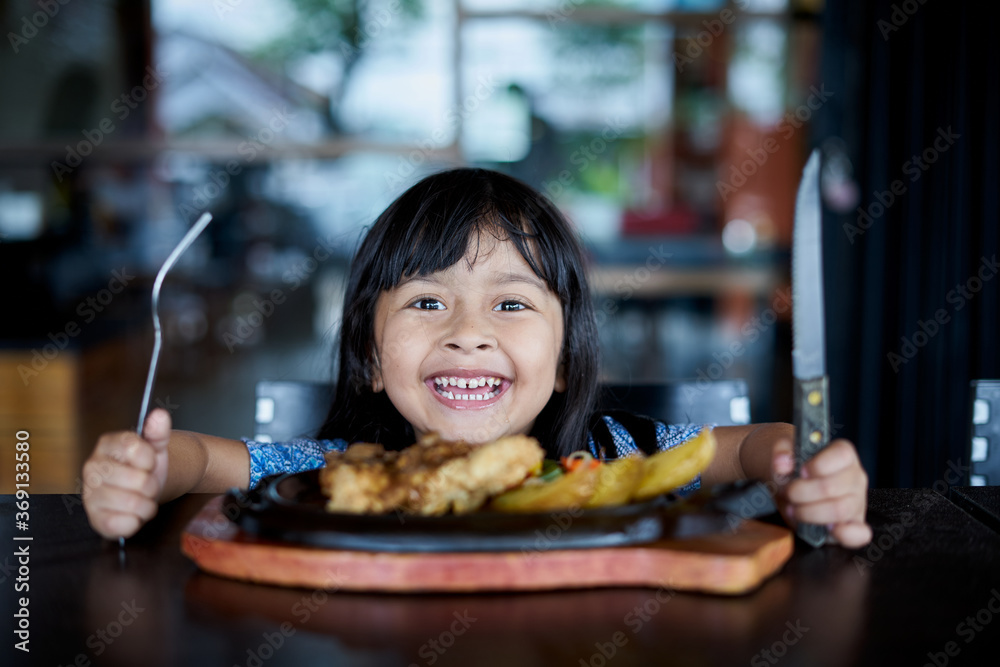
(810, 395)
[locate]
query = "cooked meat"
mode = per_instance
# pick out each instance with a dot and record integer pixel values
(360, 480)
(431, 477)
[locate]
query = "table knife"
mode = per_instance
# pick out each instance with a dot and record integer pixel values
(810, 395)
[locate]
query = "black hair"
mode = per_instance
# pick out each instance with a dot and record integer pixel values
(428, 229)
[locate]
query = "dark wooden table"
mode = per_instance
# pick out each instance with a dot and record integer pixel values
(926, 592)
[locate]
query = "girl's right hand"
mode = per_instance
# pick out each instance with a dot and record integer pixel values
(123, 478)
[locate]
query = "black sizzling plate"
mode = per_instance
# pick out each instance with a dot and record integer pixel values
(290, 507)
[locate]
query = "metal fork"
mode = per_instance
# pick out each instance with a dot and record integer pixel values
(185, 243)
(172, 258)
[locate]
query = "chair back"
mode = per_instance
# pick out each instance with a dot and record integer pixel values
(289, 409)
(984, 442)
(720, 402)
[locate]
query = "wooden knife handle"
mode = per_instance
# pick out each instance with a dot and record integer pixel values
(811, 409)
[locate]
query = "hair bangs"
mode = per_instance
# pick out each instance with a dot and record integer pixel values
(436, 240)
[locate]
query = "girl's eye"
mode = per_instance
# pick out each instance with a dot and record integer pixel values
(510, 306)
(428, 304)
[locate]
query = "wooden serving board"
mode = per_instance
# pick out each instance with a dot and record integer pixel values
(730, 562)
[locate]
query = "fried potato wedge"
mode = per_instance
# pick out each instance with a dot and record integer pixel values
(669, 469)
(572, 489)
(616, 481)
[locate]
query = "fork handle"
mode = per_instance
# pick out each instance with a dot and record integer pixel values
(150, 377)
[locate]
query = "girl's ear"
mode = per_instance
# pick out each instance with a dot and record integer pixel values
(377, 383)
(560, 384)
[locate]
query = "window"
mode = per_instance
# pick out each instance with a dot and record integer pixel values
(670, 131)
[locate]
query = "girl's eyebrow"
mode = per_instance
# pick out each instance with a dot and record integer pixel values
(417, 279)
(517, 277)
(500, 277)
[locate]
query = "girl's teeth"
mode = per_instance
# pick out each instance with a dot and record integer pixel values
(468, 383)
(468, 397)
(454, 396)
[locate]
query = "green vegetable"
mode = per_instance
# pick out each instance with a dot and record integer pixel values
(550, 470)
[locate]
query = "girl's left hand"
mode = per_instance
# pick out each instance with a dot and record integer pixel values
(832, 490)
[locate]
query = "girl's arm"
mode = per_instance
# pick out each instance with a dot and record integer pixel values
(199, 463)
(751, 452)
(832, 489)
(127, 475)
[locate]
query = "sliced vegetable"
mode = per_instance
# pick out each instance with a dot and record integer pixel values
(571, 489)
(617, 480)
(669, 469)
(550, 470)
(579, 459)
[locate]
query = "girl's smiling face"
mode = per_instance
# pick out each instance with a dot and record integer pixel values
(471, 352)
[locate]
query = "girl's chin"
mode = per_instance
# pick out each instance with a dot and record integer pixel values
(471, 434)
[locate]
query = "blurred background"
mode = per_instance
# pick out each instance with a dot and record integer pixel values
(671, 132)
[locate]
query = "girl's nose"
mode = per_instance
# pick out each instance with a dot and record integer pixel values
(469, 333)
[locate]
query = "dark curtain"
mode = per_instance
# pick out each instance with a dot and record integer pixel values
(913, 299)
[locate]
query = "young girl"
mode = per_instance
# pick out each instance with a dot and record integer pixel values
(467, 314)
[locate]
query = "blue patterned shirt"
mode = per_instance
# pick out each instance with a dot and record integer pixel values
(269, 458)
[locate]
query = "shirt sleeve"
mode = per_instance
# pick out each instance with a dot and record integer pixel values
(269, 458)
(667, 437)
